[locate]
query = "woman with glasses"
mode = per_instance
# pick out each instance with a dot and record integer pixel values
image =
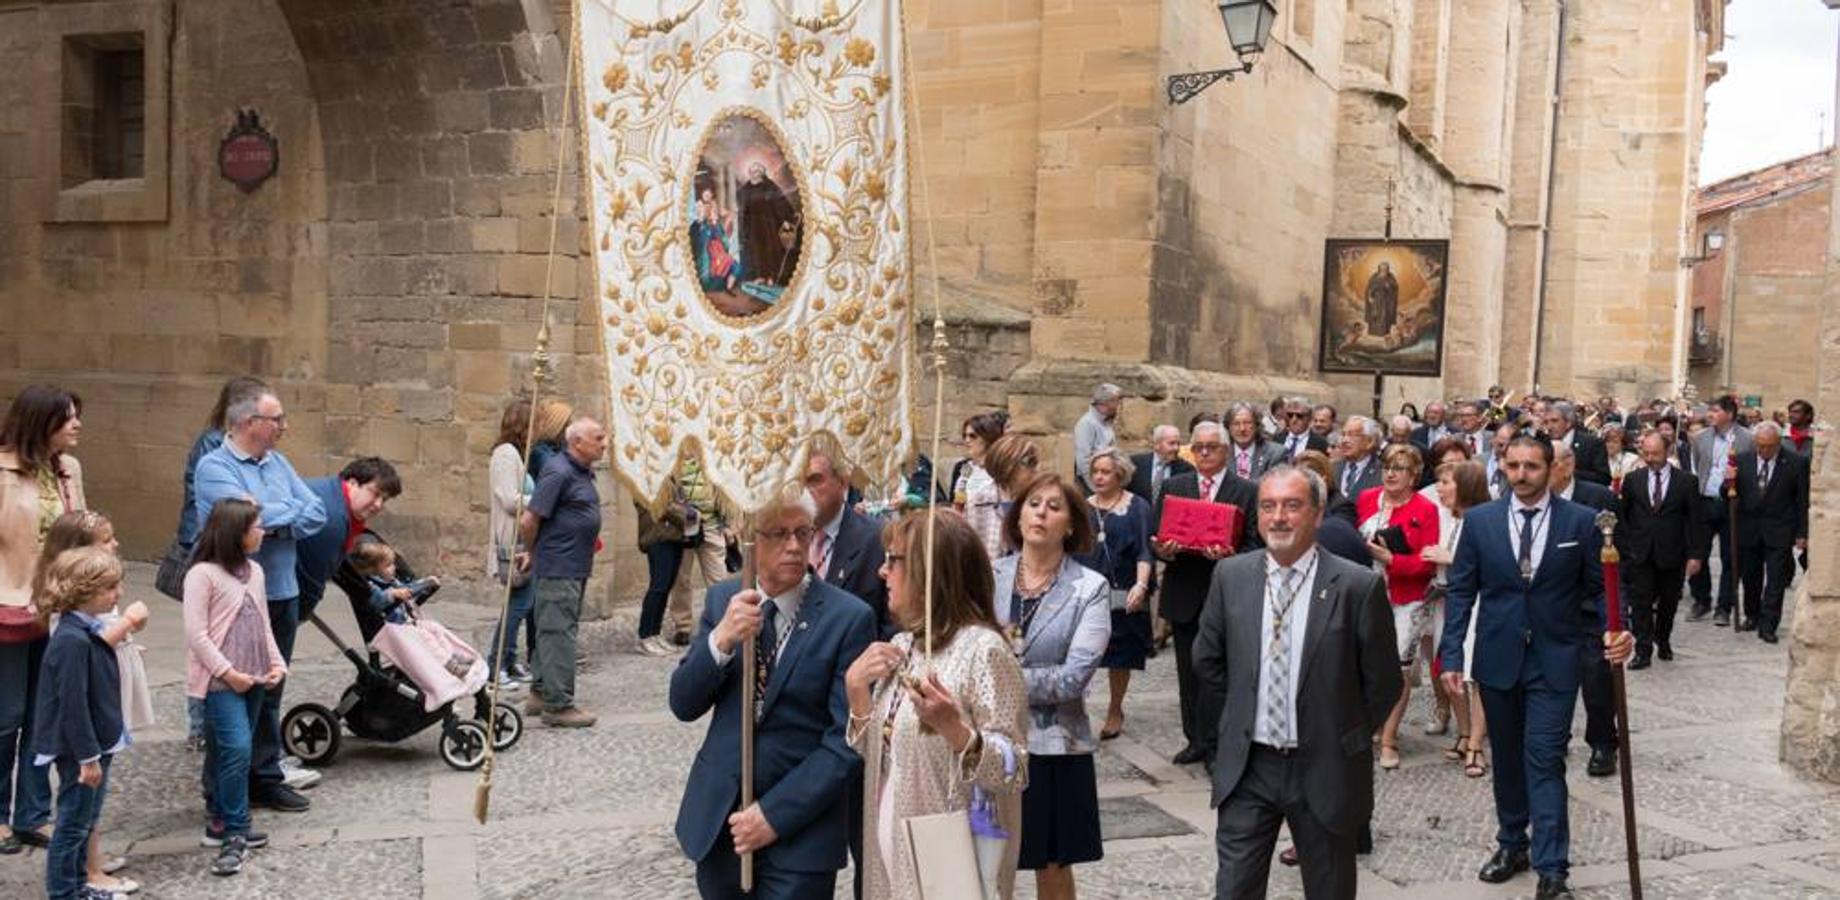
(944, 734)
(1057, 616)
(977, 434)
(1399, 523)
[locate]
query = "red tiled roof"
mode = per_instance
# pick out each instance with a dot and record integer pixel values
(1763, 184)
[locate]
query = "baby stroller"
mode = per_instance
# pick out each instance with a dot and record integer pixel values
(383, 704)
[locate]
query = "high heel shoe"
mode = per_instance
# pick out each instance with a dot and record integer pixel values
(1389, 756)
(1457, 751)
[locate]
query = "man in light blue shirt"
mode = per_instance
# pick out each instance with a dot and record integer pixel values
(249, 466)
(1093, 432)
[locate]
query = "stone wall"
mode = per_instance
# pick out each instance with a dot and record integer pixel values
(145, 319)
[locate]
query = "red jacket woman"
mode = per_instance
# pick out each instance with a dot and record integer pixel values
(1407, 575)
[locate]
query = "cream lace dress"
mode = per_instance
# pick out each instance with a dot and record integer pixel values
(907, 773)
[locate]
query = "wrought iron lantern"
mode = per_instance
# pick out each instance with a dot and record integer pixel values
(1248, 24)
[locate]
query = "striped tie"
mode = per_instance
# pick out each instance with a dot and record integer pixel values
(1278, 664)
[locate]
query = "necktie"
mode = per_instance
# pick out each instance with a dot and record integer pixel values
(1763, 475)
(1207, 487)
(1290, 447)
(1350, 475)
(1278, 662)
(1243, 459)
(766, 647)
(1160, 470)
(1657, 488)
(820, 546)
(1527, 517)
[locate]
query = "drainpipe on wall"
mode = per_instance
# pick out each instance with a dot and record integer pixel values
(1546, 215)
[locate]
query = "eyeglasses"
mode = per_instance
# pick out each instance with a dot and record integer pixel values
(779, 535)
(894, 559)
(278, 419)
(1206, 448)
(1296, 415)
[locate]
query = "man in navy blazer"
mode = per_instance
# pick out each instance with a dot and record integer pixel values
(1527, 566)
(806, 635)
(846, 550)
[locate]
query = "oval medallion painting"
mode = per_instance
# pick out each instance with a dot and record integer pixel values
(746, 219)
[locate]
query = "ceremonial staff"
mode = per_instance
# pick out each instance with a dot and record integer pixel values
(1619, 695)
(1731, 535)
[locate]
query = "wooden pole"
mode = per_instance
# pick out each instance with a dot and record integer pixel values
(750, 555)
(1619, 695)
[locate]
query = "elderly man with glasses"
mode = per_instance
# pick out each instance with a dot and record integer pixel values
(806, 634)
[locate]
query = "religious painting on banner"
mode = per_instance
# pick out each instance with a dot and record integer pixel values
(747, 181)
(1383, 307)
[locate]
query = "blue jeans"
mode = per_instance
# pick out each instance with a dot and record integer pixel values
(265, 765)
(662, 559)
(231, 721)
(78, 809)
(25, 789)
(523, 600)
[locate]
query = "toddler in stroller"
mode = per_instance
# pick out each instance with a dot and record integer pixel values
(414, 674)
(434, 658)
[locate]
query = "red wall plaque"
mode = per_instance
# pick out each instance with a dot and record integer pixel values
(248, 154)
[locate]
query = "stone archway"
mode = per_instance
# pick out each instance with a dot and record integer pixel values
(437, 121)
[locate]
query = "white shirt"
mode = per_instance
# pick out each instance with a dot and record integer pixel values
(1209, 492)
(788, 603)
(1657, 485)
(1541, 524)
(1299, 621)
(1721, 451)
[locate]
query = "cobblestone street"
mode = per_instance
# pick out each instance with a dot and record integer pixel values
(588, 813)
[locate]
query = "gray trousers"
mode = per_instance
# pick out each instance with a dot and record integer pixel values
(558, 620)
(1269, 793)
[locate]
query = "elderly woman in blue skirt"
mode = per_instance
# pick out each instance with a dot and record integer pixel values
(1121, 553)
(1056, 614)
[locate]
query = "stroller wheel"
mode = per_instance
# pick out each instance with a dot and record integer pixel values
(507, 726)
(311, 732)
(463, 745)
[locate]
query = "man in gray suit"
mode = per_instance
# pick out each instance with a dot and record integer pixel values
(1299, 645)
(1714, 451)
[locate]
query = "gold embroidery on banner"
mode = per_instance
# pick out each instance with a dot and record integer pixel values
(831, 351)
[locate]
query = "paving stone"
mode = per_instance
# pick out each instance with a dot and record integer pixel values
(1742, 883)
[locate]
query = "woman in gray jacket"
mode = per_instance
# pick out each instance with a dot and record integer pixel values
(1057, 617)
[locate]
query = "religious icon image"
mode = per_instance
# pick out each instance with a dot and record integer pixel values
(746, 218)
(1383, 307)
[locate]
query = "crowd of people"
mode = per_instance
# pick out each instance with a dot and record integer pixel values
(891, 708)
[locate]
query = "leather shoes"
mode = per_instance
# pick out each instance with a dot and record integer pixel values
(1602, 764)
(1505, 864)
(1640, 662)
(1189, 754)
(1768, 637)
(1698, 613)
(1664, 650)
(1551, 889)
(1748, 625)
(1721, 619)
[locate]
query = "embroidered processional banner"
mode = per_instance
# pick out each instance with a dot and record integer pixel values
(747, 175)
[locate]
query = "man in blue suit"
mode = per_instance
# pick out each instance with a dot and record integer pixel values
(806, 634)
(1527, 566)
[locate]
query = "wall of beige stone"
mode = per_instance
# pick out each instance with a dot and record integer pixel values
(1811, 710)
(146, 319)
(1629, 133)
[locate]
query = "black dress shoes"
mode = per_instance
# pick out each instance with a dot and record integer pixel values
(1664, 650)
(1188, 755)
(1748, 625)
(1721, 619)
(1552, 889)
(1505, 864)
(1641, 661)
(1768, 637)
(1603, 762)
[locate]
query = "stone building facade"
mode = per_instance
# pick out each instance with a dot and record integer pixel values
(1757, 281)
(389, 277)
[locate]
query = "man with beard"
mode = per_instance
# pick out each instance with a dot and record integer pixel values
(1528, 567)
(766, 212)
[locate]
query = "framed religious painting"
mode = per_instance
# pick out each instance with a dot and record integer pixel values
(746, 216)
(1383, 307)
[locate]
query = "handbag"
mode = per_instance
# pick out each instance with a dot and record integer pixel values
(944, 859)
(170, 578)
(20, 625)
